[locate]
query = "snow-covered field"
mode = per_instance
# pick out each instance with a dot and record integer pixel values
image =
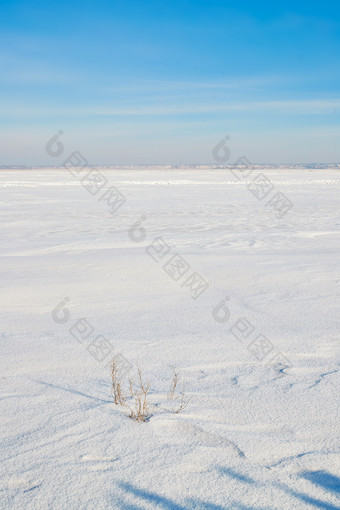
(256, 434)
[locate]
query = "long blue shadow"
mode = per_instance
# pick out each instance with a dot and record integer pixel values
(75, 392)
(127, 506)
(196, 503)
(169, 504)
(234, 474)
(323, 479)
(318, 503)
(234, 505)
(151, 497)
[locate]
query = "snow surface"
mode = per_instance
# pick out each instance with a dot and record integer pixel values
(253, 436)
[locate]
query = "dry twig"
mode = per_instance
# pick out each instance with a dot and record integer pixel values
(117, 390)
(183, 403)
(173, 386)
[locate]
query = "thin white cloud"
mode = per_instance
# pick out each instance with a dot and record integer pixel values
(291, 107)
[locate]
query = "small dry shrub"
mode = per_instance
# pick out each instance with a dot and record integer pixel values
(182, 403)
(117, 383)
(139, 393)
(141, 410)
(172, 392)
(173, 385)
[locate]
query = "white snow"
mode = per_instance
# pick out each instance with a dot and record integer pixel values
(252, 436)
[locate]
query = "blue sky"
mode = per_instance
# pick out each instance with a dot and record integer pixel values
(163, 81)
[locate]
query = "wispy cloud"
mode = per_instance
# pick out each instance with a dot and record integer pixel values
(291, 107)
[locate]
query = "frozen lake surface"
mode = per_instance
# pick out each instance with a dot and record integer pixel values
(211, 282)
